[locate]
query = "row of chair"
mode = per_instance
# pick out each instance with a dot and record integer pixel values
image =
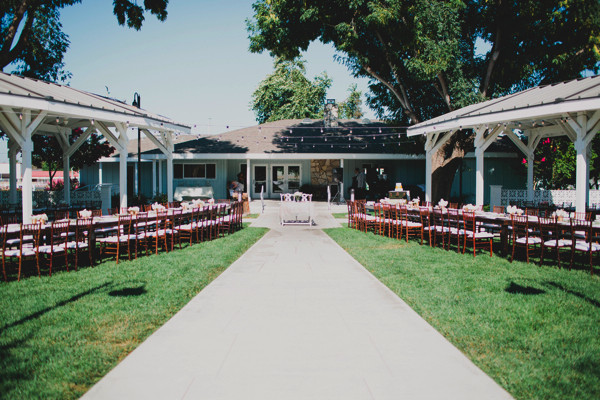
(460, 228)
(131, 235)
(546, 237)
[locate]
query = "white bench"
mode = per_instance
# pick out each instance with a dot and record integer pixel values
(185, 193)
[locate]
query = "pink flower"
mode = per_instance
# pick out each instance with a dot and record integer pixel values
(524, 161)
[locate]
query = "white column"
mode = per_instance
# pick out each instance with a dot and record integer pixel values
(581, 175)
(136, 189)
(123, 177)
(479, 181)
(170, 177)
(530, 160)
(160, 177)
(153, 178)
(169, 145)
(67, 178)
(27, 195)
(428, 168)
(12, 156)
(100, 172)
(248, 188)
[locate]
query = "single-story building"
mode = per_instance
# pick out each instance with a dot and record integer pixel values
(286, 156)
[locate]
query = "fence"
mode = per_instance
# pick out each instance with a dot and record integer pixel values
(46, 199)
(562, 198)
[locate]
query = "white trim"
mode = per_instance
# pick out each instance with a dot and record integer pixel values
(544, 111)
(278, 156)
(90, 112)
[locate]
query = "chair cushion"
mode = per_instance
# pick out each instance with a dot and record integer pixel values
(52, 249)
(558, 243)
(532, 240)
(75, 245)
(27, 252)
(585, 246)
(478, 235)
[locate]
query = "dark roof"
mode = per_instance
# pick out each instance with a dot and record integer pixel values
(299, 136)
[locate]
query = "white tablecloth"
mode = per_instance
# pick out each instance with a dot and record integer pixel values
(296, 212)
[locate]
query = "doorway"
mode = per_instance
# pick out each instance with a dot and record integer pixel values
(276, 179)
(285, 179)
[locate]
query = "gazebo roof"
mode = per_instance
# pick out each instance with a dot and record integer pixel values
(64, 102)
(532, 108)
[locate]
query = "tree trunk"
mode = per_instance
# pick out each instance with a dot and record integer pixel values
(445, 163)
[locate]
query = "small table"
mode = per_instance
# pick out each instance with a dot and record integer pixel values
(296, 213)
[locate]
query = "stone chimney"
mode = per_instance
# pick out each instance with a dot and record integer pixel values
(330, 116)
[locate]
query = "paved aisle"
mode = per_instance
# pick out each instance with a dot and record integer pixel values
(296, 318)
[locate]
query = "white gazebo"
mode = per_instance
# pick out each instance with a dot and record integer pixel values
(569, 109)
(32, 107)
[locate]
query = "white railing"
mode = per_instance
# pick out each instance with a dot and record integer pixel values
(504, 197)
(43, 198)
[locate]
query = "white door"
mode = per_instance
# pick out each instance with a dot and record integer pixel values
(285, 179)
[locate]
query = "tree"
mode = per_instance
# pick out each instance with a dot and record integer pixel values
(555, 161)
(48, 152)
(423, 57)
(32, 42)
(288, 94)
(351, 107)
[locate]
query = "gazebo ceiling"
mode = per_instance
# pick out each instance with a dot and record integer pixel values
(536, 108)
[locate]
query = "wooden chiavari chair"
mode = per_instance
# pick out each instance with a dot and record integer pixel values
(80, 242)
(586, 245)
(57, 244)
(473, 234)
(523, 236)
(29, 236)
(552, 239)
(409, 226)
(119, 241)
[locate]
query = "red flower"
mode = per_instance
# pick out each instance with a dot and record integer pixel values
(543, 159)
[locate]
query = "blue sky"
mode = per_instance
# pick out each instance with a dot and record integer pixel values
(194, 68)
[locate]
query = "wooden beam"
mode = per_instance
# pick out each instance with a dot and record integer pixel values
(80, 140)
(103, 129)
(518, 142)
(11, 130)
(154, 140)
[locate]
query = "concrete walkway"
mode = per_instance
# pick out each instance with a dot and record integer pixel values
(296, 318)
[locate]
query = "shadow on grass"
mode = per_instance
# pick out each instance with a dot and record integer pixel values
(39, 313)
(582, 296)
(10, 372)
(515, 288)
(129, 291)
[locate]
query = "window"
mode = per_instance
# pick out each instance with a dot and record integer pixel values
(206, 171)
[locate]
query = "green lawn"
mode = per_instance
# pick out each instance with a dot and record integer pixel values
(60, 335)
(536, 331)
(340, 215)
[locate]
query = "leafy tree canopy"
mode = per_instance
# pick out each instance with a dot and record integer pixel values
(33, 44)
(422, 56)
(288, 94)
